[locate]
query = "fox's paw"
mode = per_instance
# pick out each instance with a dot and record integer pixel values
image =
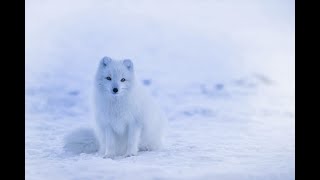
(109, 156)
(144, 149)
(129, 154)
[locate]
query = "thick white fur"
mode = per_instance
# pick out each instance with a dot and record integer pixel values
(129, 120)
(82, 140)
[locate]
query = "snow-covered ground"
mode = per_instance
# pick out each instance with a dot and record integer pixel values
(223, 71)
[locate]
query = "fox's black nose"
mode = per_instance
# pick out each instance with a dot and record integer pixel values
(115, 90)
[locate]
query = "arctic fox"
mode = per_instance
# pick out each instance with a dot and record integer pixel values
(126, 119)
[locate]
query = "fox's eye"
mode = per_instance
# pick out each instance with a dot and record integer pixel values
(123, 80)
(109, 78)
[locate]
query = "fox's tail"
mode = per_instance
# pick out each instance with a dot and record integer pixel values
(82, 140)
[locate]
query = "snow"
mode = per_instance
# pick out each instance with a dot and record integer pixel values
(223, 72)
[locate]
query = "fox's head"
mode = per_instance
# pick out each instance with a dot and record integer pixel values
(115, 78)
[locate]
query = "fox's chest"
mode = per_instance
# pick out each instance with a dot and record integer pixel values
(119, 114)
(120, 120)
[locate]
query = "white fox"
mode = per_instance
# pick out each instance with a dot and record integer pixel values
(126, 119)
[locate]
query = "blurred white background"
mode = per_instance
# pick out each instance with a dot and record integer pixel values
(223, 70)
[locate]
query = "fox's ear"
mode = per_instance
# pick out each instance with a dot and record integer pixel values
(105, 61)
(128, 63)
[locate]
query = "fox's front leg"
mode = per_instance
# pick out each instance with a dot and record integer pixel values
(110, 148)
(102, 140)
(134, 131)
